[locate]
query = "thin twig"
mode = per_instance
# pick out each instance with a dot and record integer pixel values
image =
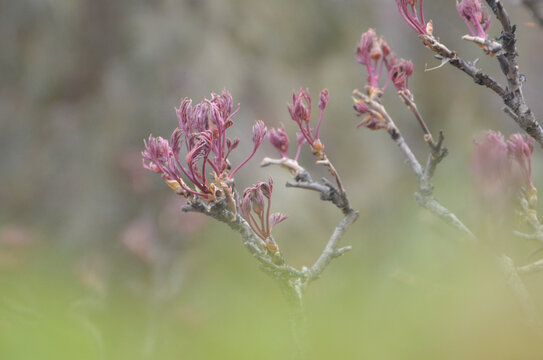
(408, 101)
(425, 196)
(326, 162)
(291, 280)
(538, 236)
(478, 76)
(328, 192)
(426, 199)
(507, 266)
(437, 153)
(303, 180)
(252, 243)
(295, 287)
(290, 164)
(308, 185)
(331, 250)
(511, 95)
(530, 268)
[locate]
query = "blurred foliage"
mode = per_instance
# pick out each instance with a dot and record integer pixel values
(96, 259)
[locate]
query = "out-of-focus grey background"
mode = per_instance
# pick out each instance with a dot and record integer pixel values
(94, 247)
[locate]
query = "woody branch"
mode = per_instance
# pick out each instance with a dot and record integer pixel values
(503, 48)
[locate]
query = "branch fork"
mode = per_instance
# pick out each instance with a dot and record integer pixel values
(504, 49)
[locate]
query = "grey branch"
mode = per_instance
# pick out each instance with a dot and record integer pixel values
(331, 250)
(291, 280)
(478, 76)
(509, 66)
(315, 186)
(426, 199)
(530, 268)
(255, 245)
(328, 192)
(516, 107)
(511, 95)
(303, 180)
(294, 288)
(424, 196)
(538, 236)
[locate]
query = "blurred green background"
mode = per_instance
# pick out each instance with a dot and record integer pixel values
(98, 262)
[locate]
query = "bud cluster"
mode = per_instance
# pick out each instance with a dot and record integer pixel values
(255, 208)
(202, 131)
(502, 166)
(476, 17)
(408, 11)
(300, 112)
(374, 53)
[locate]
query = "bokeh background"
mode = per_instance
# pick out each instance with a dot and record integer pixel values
(98, 262)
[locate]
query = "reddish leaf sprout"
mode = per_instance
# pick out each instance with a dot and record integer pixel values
(255, 208)
(399, 72)
(500, 166)
(202, 130)
(491, 165)
(279, 139)
(475, 16)
(409, 14)
(371, 119)
(375, 54)
(521, 148)
(372, 52)
(300, 112)
(258, 136)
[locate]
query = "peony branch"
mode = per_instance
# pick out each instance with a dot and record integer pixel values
(294, 289)
(291, 280)
(255, 245)
(328, 192)
(331, 250)
(426, 199)
(424, 196)
(505, 51)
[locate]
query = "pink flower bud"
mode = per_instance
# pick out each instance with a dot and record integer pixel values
(475, 16)
(203, 131)
(276, 218)
(491, 166)
(400, 71)
(408, 12)
(520, 149)
(501, 167)
(364, 48)
(279, 139)
(372, 52)
(369, 119)
(300, 110)
(323, 99)
(257, 200)
(259, 132)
